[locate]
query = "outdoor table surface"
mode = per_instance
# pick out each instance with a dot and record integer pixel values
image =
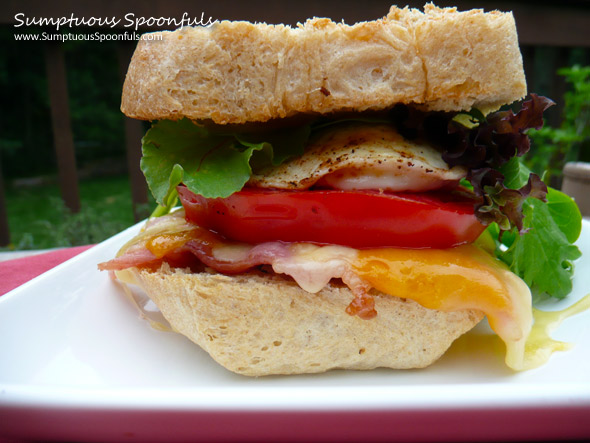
(19, 267)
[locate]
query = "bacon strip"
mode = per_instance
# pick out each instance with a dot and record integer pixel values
(263, 254)
(214, 252)
(137, 255)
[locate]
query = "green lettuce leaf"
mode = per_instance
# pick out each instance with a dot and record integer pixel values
(516, 174)
(543, 257)
(565, 213)
(209, 163)
(277, 146)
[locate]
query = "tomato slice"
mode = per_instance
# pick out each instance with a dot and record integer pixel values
(359, 219)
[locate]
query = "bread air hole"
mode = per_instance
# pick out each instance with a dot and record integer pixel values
(377, 74)
(361, 350)
(277, 343)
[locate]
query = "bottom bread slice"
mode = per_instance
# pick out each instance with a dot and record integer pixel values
(261, 324)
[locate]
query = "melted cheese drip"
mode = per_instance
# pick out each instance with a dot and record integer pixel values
(540, 345)
(146, 308)
(312, 267)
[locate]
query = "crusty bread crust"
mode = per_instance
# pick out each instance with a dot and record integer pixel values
(238, 72)
(261, 324)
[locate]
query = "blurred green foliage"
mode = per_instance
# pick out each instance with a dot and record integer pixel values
(38, 218)
(552, 147)
(94, 87)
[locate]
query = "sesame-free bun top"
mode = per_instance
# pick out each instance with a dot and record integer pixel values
(239, 72)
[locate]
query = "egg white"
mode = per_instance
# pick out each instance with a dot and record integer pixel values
(362, 156)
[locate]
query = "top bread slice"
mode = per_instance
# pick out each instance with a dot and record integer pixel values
(239, 72)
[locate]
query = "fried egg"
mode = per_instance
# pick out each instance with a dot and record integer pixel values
(362, 156)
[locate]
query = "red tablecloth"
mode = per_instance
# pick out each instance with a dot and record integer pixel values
(14, 273)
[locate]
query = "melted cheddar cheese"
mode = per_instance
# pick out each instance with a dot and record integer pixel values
(455, 279)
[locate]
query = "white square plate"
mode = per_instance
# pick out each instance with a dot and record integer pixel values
(77, 363)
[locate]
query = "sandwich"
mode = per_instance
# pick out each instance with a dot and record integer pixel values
(352, 197)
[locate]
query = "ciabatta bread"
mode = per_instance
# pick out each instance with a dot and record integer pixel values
(238, 72)
(260, 324)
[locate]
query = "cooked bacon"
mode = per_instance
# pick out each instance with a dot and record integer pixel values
(263, 254)
(203, 247)
(363, 303)
(137, 255)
